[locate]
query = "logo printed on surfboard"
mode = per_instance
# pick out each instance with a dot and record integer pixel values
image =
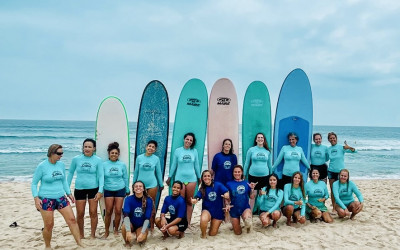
(223, 101)
(257, 103)
(193, 102)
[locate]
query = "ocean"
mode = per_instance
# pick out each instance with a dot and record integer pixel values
(24, 144)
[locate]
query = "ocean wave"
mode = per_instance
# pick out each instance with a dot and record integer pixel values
(27, 150)
(38, 137)
(378, 148)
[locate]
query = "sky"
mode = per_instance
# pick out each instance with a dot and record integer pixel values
(59, 59)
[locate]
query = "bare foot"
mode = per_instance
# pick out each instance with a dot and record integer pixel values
(274, 224)
(115, 233)
(289, 223)
(181, 235)
(105, 236)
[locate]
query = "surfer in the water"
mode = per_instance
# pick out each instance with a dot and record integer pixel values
(185, 168)
(336, 160)
(175, 205)
(294, 200)
(213, 195)
(116, 187)
(148, 170)
(269, 201)
(258, 163)
(239, 192)
(88, 184)
(319, 156)
(51, 195)
(223, 163)
(343, 190)
(138, 208)
(292, 155)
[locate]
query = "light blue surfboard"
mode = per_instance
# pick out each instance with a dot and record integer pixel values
(294, 113)
(191, 116)
(153, 124)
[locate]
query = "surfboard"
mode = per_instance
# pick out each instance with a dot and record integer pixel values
(153, 124)
(190, 116)
(223, 120)
(294, 113)
(112, 126)
(256, 117)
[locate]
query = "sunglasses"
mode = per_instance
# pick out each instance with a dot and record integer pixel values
(59, 153)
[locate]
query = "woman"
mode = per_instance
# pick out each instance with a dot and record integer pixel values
(239, 192)
(213, 195)
(88, 184)
(176, 206)
(185, 168)
(294, 198)
(116, 187)
(336, 160)
(223, 163)
(148, 170)
(319, 156)
(292, 155)
(138, 208)
(317, 193)
(269, 201)
(343, 190)
(51, 195)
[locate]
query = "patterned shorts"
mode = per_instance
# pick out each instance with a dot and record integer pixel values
(53, 204)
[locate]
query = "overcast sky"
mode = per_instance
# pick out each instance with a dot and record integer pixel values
(59, 59)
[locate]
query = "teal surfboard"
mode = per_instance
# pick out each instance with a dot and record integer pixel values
(153, 124)
(294, 113)
(191, 116)
(112, 126)
(256, 116)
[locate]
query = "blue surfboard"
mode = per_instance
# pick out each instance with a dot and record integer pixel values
(153, 124)
(294, 113)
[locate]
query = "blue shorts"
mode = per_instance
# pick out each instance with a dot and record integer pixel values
(333, 175)
(53, 204)
(118, 193)
(237, 212)
(218, 215)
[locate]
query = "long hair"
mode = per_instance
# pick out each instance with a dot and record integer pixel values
(230, 150)
(269, 185)
(144, 197)
(241, 168)
(265, 144)
(203, 186)
(301, 184)
(348, 177)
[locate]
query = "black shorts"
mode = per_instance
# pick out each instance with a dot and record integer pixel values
(333, 176)
(295, 210)
(285, 180)
(323, 171)
(118, 193)
(83, 194)
(182, 225)
(262, 181)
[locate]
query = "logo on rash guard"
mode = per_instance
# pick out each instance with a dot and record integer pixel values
(227, 165)
(271, 198)
(293, 197)
(318, 191)
(343, 191)
(334, 151)
(193, 102)
(86, 167)
(240, 189)
(147, 165)
(294, 154)
(187, 158)
(113, 171)
(138, 212)
(318, 153)
(260, 156)
(212, 196)
(223, 101)
(57, 175)
(171, 209)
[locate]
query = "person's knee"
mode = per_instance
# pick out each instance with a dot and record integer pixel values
(71, 220)
(49, 225)
(302, 220)
(213, 232)
(276, 215)
(118, 211)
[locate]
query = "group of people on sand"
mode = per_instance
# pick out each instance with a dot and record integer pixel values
(228, 191)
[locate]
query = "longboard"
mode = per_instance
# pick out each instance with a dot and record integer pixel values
(294, 113)
(153, 124)
(190, 116)
(112, 126)
(223, 120)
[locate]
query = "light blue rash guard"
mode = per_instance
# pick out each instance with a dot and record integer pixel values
(271, 201)
(185, 165)
(291, 195)
(316, 191)
(148, 170)
(89, 172)
(336, 157)
(53, 183)
(292, 157)
(115, 176)
(319, 154)
(343, 193)
(260, 160)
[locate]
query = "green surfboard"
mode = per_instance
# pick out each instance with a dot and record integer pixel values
(191, 116)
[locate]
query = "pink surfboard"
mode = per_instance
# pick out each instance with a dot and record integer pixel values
(223, 121)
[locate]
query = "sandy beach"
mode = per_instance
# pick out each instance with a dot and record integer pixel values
(377, 226)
